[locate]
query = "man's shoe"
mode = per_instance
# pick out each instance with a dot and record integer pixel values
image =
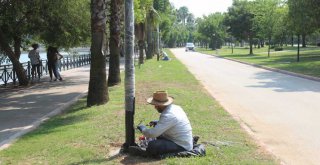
(137, 151)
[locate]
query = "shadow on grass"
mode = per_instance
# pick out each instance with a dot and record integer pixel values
(125, 159)
(53, 124)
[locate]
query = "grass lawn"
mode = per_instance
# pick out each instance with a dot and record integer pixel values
(87, 135)
(286, 60)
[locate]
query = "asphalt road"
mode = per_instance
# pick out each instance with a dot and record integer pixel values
(281, 111)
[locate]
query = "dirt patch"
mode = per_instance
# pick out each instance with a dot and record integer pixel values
(123, 158)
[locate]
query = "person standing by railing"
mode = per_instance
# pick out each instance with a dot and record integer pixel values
(53, 57)
(35, 61)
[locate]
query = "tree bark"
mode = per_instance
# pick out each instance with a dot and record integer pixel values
(304, 43)
(250, 43)
(298, 51)
(150, 49)
(140, 36)
(98, 89)
(269, 47)
(114, 44)
(17, 46)
(17, 67)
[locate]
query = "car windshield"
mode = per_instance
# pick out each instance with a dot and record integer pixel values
(189, 45)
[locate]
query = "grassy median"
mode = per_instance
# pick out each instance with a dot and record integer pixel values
(285, 60)
(87, 135)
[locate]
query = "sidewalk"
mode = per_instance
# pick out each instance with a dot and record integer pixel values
(23, 110)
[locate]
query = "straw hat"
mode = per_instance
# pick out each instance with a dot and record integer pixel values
(160, 98)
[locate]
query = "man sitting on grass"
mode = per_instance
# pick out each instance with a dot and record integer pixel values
(173, 131)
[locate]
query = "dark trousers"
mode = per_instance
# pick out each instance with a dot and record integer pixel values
(51, 68)
(33, 70)
(163, 146)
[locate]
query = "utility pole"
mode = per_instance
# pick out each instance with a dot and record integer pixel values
(129, 75)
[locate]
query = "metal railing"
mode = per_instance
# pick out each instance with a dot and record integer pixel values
(8, 75)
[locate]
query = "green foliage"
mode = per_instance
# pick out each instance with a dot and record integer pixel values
(141, 8)
(265, 17)
(67, 23)
(211, 28)
(54, 22)
(304, 15)
(239, 19)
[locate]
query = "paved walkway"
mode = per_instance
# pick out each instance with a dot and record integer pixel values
(23, 110)
(280, 110)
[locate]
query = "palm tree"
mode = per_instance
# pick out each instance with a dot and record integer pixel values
(98, 89)
(114, 43)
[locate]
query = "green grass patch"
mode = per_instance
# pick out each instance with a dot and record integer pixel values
(86, 135)
(286, 60)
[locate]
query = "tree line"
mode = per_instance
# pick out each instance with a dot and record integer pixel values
(260, 22)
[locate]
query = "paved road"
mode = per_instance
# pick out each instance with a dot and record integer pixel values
(282, 112)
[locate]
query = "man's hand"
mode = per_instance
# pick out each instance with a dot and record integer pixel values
(141, 127)
(153, 123)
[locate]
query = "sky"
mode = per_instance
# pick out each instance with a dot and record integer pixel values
(203, 7)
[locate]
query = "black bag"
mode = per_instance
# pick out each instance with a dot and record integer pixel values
(198, 150)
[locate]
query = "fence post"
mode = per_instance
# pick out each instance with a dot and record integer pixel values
(67, 63)
(46, 67)
(74, 62)
(41, 68)
(29, 70)
(14, 76)
(64, 63)
(5, 75)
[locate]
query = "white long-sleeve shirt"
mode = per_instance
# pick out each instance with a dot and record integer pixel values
(34, 57)
(173, 125)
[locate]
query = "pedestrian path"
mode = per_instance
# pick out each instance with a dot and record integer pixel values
(23, 109)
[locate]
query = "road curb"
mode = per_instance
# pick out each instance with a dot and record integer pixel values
(6, 143)
(270, 69)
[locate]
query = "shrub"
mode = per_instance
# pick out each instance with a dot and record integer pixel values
(278, 49)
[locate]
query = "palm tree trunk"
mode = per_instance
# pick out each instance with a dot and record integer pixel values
(114, 44)
(98, 89)
(149, 37)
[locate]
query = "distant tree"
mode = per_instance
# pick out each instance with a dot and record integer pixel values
(213, 28)
(264, 21)
(303, 20)
(183, 13)
(302, 14)
(239, 19)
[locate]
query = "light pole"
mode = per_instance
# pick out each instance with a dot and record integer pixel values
(129, 75)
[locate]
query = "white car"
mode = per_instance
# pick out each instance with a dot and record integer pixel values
(189, 46)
